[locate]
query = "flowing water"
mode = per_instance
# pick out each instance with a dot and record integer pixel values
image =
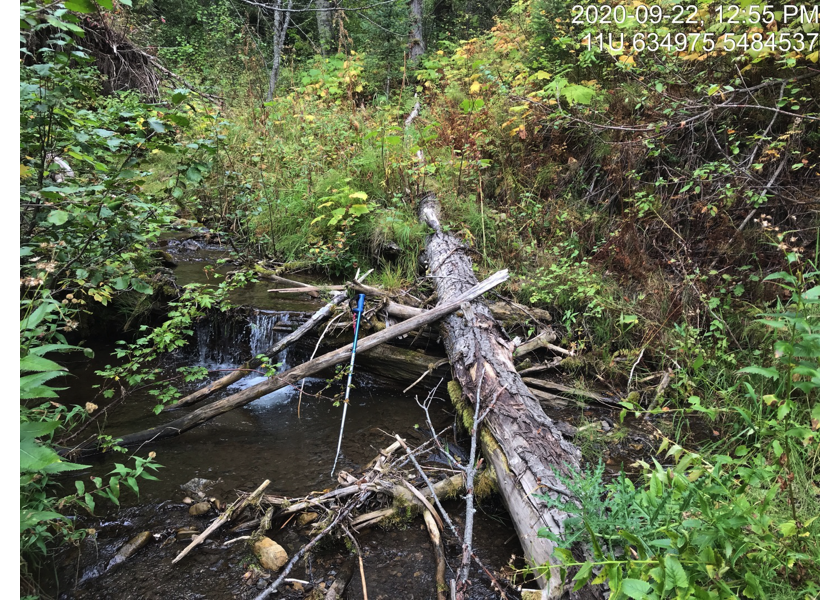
(288, 437)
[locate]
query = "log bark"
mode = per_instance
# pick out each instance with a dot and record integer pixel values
(295, 374)
(524, 444)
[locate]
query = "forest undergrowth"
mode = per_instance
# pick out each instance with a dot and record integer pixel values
(663, 206)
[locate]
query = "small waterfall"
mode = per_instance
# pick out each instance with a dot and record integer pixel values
(220, 340)
(224, 339)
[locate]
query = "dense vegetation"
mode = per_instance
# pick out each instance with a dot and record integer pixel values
(662, 203)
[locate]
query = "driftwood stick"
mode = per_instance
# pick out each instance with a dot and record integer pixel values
(357, 285)
(308, 288)
(440, 557)
(342, 579)
(445, 515)
(222, 519)
(540, 341)
(559, 350)
(362, 575)
(295, 374)
(554, 362)
(423, 501)
(559, 387)
(431, 368)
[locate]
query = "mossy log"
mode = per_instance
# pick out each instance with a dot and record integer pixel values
(526, 445)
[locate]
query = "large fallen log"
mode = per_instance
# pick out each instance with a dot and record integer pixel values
(295, 374)
(524, 444)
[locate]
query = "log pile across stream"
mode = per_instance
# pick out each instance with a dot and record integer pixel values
(500, 409)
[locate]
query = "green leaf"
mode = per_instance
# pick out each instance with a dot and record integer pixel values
(34, 456)
(58, 217)
(771, 372)
(674, 573)
(106, 4)
(193, 175)
(40, 391)
(80, 488)
(121, 283)
(812, 294)
(62, 466)
(582, 576)
(635, 588)
(179, 96)
(35, 429)
(141, 286)
(30, 518)
(158, 126)
(41, 350)
(27, 382)
(578, 94)
(359, 209)
(36, 363)
(783, 411)
(753, 589)
(82, 6)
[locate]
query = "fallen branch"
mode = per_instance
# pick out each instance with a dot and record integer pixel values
(440, 557)
(308, 288)
(229, 514)
(559, 387)
(540, 341)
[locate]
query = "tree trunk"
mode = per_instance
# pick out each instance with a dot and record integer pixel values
(416, 45)
(524, 444)
(325, 29)
(279, 40)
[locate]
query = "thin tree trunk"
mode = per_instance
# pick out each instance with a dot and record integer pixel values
(416, 45)
(279, 40)
(324, 18)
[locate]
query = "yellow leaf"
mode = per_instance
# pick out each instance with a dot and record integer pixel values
(475, 87)
(25, 171)
(814, 56)
(359, 195)
(627, 60)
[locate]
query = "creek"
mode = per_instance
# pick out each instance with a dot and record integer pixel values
(287, 437)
